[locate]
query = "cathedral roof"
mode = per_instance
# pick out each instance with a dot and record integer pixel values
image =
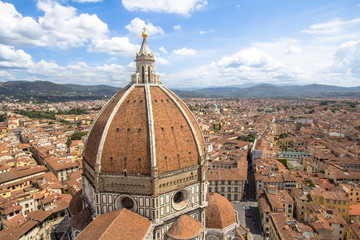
(121, 224)
(143, 127)
(219, 213)
(75, 205)
(81, 219)
(185, 227)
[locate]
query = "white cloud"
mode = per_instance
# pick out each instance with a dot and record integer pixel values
(185, 51)
(332, 57)
(163, 50)
(114, 46)
(184, 7)
(12, 58)
(4, 74)
(60, 26)
(177, 27)
(251, 57)
(203, 32)
(332, 27)
(111, 59)
(251, 64)
(162, 61)
(136, 27)
(83, 1)
(347, 59)
(80, 73)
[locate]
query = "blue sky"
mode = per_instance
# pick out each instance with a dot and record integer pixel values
(197, 43)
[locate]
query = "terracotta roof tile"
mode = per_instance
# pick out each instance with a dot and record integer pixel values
(219, 212)
(82, 219)
(121, 224)
(94, 136)
(175, 143)
(184, 227)
(192, 120)
(127, 145)
(75, 205)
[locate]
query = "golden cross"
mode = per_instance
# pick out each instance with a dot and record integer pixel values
(144, 28)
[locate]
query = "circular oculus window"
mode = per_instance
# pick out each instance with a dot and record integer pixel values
(180, 199)
(125, 201)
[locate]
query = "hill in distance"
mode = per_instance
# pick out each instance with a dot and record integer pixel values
(273, 91)
(53, 92)
(49, 91)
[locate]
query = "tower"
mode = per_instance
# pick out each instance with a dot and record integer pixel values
(145, 71)
(145, 152)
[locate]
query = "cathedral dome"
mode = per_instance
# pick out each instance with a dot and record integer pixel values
(219, 213)
(185, 227)
(143, 127)
(145, 151)
(144, 130)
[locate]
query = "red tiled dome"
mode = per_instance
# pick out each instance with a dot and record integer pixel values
(219, 212)
(140, 127)
(75, 205)
(185, 227)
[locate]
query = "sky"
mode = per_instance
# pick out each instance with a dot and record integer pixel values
(196, 43)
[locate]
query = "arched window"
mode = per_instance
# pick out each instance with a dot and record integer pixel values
(148, 74)
(142, 74)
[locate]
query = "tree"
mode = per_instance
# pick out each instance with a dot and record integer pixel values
(282, 135)
(247, 138)
(63, 121)
(311, 111)
(2, 117)
(323, 103)
(36, 114)
(78, 135)
(68, 142)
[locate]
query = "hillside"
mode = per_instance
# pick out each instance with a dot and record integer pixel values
(49, 91)
(273, 91)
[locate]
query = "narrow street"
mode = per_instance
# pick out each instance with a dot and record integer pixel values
(248, 209)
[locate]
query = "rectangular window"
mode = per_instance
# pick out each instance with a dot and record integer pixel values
(344, 202)
(334, 201)
(327, 201)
